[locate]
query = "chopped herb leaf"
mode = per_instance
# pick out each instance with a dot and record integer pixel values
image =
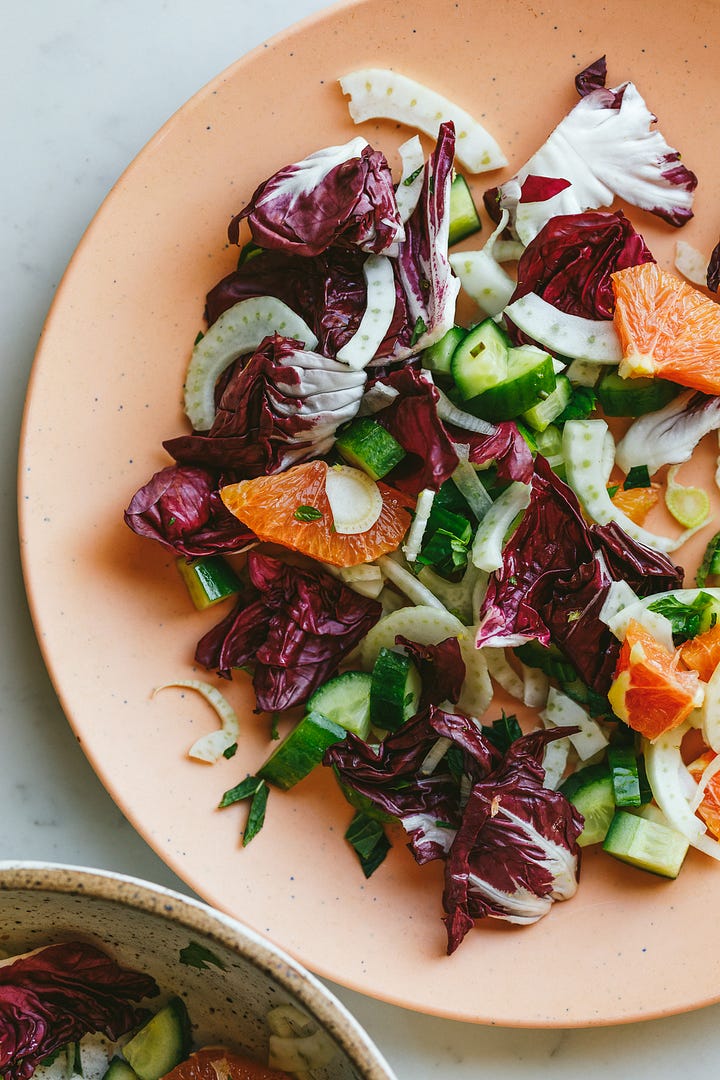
(687, 620)
(197, 956)
(444, 825)
(244, 790)
(613, 490)
(418, 330)
(256, 817)
(274, 726)
(368, 839)
(199, 338)
(503, 732)
(307, 513)
(231, 751)
(580, 406)
(710, 565)
(74, 1059)
(54, 1056)
(639, 476)
(413, 176)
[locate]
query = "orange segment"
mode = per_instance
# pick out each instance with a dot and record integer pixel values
(268, 505)
(637, 502)
(216, 1063)
(702, 653)
(709, 808)
(667, 328)
(650, 692)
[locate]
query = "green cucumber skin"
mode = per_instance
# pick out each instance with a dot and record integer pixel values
(208, 579)
(541, 416)
(438, 357)
(368, 446)
(394, 692)
(162, 1043)
(300, 751)
(480, 360)
(119, 1070)
(345, 700)
(591, 792)
(633, 397)
(464, 218)
(517, 393)
(645, 844)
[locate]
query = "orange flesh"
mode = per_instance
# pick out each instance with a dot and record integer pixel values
(637, 502)
(216, 1063)
(702, 653)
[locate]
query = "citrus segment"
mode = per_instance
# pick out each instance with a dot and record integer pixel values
(651, 693)
(709, 807)
(292, 508)
(637, 503)
(666, 327)
(216, 1063)
(702, 653)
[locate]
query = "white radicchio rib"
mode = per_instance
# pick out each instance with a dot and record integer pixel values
(604, 148)
(669, 436)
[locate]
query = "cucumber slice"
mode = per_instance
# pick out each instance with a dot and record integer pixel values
(540, 416)
(161, 1044)
(549, 444)
(368, 446)
(438, 357)
(633, 397)
(464, 218)
(646, 844)
(300, 751)
(395, 690)
(625, 772)
(208, 580)
(530, 375)
(590, 790)
(346, 701)
(481, 359)
(119, 1070)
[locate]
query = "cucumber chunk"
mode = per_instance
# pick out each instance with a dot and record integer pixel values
(590, 790)
(646, 844)
(395, 690)
(481, 359)
(540, 416)
(368, 446)
(438, 357)
(345, 700)
(464, 218)
(530, 375)
(633, 397)
(300, 751)
(208, 580)
(161, 1044)
(625, 769)
(119, 1070)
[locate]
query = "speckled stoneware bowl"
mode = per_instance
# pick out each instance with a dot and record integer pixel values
(145, 926)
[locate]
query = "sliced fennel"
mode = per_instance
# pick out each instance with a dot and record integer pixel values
(416, 532)
(482, 277)
(501, 671)
(562, 711)
(490, 536)
(585, 444)
(471, 487)
(691, 263)
(211, 747)
(669, 436)
(377, 93)
(408, 584)
(379, 310)
(593, 340)
(238, 331)
(690, 506)
(411, 178)
(582, 373)
(459, 597)
(668, 777)
(355, 499)
(451, 414)
(710, 712)
(297, 1044)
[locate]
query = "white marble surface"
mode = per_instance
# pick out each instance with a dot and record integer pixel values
(85, 83)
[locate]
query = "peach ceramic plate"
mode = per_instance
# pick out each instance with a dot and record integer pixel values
(112, 614)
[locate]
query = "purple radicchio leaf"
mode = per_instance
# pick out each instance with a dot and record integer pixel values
(329, 292)
(280, 407)
(180, 507)
(412, 419)
(339, 196)
(713, 270)
(516, 851)
(293, 625)
(606, 148)
(592, 77)
(505, 448)
(422, 266)
(555, 577)
(390, 775)
(541, 188)
(57, 995)
(570, 261)
(441, 668)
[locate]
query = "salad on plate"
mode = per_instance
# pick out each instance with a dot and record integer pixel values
(404, 513)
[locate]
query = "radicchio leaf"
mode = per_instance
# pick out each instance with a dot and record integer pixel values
(441, 667)
(570, 261)
(592, 77)
(505, 448)
(606, 148)
(339, 196)
(57, 995)
(516, 849)
(180, 507)
(294, 625)
(389, 775)
(713, 270)
(279, 408)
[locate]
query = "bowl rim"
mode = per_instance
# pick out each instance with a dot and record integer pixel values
(199, 917)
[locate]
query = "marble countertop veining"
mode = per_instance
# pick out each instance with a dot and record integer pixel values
(85, 83)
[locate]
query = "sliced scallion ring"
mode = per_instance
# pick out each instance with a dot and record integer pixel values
(238, 331)
(690, 506)
(377, 93)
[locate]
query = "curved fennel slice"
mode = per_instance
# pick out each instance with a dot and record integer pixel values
(594, 340)
(238, 331)
(211, 747)
(378, 93)
(379, 310)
